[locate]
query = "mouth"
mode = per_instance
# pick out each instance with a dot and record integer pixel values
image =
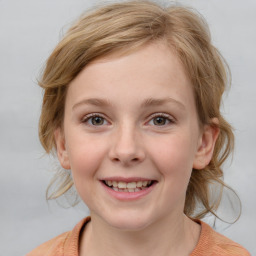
(130, 187)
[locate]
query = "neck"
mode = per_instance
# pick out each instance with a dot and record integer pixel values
(168, 236)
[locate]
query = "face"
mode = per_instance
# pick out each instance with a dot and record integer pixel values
(131, 137)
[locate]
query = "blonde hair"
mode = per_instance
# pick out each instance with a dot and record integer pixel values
(129, 25)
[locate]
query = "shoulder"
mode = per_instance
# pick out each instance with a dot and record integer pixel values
(214, 243)
(66, 243)
(52, 247)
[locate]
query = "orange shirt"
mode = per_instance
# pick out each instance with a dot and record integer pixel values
(210, 243)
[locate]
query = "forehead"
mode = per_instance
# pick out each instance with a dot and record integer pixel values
(152, 70)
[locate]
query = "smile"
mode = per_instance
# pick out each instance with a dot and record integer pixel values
(134, 186)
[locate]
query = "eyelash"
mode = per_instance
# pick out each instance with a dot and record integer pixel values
(90, 116)
(166, 117)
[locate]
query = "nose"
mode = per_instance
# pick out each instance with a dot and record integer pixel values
(126, 146)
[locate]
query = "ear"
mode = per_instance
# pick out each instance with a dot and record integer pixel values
(206, 144)
(61, 148)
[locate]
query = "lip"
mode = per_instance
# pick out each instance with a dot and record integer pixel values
(125, 179)
(128, 196)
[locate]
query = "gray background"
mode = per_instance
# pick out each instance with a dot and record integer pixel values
(29, 30)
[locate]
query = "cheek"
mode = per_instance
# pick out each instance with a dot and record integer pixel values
(85, 160)
(85, 157)
(174, 157)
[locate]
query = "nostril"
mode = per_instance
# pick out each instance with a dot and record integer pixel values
(126, 156)
(126, 160)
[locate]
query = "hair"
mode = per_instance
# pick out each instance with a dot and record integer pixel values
(130, 25)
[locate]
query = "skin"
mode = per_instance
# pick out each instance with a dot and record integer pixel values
(147, 127)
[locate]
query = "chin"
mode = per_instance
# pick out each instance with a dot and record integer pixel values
(128, 221)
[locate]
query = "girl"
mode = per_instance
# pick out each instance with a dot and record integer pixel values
(132, 107)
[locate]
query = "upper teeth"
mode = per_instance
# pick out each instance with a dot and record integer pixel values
(134, 184)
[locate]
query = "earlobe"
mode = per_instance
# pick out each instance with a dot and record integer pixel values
(61, 149)
(206, 145)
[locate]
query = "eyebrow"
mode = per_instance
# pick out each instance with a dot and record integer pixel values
(94, 102)
(158, 102)
(146, 103)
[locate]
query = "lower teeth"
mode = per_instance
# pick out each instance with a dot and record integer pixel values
(127, 189)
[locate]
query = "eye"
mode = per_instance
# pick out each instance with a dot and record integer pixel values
(161, 120)
(94, 120)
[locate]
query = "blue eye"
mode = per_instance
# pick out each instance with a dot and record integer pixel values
(94, 120)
